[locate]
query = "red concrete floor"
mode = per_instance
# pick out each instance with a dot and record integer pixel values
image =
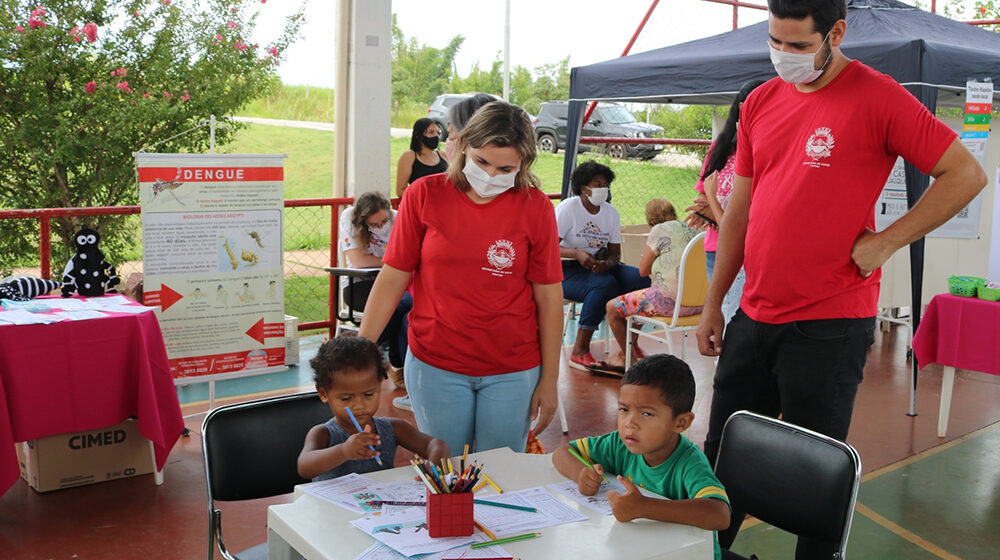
(133, 518)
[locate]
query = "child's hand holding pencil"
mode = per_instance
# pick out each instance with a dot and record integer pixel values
(589, 480)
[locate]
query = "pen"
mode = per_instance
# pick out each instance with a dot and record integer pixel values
(499, 504)
(505, 540)
(358, 427)
(582, 460)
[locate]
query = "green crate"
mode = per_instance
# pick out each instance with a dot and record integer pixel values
(964, 286)
(987, 293)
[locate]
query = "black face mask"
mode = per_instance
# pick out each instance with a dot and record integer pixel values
(430, 141)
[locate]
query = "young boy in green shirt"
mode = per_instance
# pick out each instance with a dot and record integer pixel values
(648, 450)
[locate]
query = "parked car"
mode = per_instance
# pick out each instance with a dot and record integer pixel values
(438, 111)
(608, 119)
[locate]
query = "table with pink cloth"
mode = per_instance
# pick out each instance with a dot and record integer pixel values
(83, 375)
(958, 332)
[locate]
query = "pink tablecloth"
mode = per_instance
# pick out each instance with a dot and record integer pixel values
(83, 375)
(960, 332)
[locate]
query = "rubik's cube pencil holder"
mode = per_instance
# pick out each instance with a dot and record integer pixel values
(449, 515)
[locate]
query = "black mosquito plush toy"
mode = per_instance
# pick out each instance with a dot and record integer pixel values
(23, 288)
(87, 273)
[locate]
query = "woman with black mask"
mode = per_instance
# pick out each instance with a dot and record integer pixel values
(423, 157)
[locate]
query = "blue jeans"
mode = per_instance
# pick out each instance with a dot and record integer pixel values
(485, 412)
(394, 334)
(709, 263)
(596, 290)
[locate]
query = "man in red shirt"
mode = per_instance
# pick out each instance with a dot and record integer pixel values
(815, 148)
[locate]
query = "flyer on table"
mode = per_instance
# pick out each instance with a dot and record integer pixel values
(212, 258)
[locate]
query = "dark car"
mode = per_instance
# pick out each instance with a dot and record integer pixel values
(438, 111)
(608, 119)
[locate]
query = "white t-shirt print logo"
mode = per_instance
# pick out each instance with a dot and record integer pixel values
(501, 257)
(819, 146)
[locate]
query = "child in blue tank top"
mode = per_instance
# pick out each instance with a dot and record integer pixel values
(348, 372)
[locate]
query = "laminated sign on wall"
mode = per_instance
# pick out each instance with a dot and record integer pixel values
(212, 260)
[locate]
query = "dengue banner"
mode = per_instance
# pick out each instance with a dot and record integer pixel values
(891, 203)
(212, 260)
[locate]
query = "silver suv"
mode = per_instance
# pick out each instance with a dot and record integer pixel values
(438, 111)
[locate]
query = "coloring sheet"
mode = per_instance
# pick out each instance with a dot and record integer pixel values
(350, 492)
(599, 501)
(379, 551)
(406, 532)
(505, 522)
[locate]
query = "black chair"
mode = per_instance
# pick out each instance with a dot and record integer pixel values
(790, 477)
(250, 452)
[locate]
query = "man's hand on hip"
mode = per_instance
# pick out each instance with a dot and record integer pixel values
(870, 252)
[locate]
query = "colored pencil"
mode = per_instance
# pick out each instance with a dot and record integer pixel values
(487, 478)
(582, 460)
(395, 503)
(483, 528)
(465, 455)
(499, 504)
(427, 482)
(358, 426)
(480, 486)
(505, 540)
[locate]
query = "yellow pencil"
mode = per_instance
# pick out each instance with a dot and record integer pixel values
(465, 455)
(480, 486)
(487, 478)
(485, 530)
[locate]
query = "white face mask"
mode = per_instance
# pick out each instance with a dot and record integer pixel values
(383, 230)
(484, 185)
(798, 68)
(598, 196)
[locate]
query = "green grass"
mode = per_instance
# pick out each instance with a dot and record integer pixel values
(293, 103)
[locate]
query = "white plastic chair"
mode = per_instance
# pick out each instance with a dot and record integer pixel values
(692, 287)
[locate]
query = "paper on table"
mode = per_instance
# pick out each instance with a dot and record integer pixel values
(406, 532)
(106, 300)
(80, 315)
(134, 309)
(350, 492)
(379, 551)
(505, 521)
(355, 493)
(598, 502)
(22, 317)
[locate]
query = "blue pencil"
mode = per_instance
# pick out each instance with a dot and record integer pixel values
(358, 427)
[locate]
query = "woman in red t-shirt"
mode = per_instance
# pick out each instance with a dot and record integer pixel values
(479, 250)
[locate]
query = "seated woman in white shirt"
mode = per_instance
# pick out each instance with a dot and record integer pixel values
(590, 245)
(365, 229)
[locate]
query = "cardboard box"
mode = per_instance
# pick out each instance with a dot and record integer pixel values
(76, 459)
(291, 340)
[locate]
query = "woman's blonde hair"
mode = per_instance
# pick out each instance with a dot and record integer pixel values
(659, 210)
(501, 124)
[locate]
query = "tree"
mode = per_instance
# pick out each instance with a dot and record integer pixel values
(85, 83)
(419, 73)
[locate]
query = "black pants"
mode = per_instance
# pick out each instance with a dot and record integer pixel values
(394, 335)
(806, 371)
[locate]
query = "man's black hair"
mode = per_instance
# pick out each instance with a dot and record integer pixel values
(825, 13)
(346, 352)
(585, 173)
(670, 375)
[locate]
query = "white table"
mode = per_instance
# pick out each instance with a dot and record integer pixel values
(315, 529)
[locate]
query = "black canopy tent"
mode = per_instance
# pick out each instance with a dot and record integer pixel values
(932, 56)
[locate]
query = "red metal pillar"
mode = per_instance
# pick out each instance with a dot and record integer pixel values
(44, 245)
(628, 47)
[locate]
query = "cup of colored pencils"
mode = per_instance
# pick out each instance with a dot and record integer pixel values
(449, 497)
